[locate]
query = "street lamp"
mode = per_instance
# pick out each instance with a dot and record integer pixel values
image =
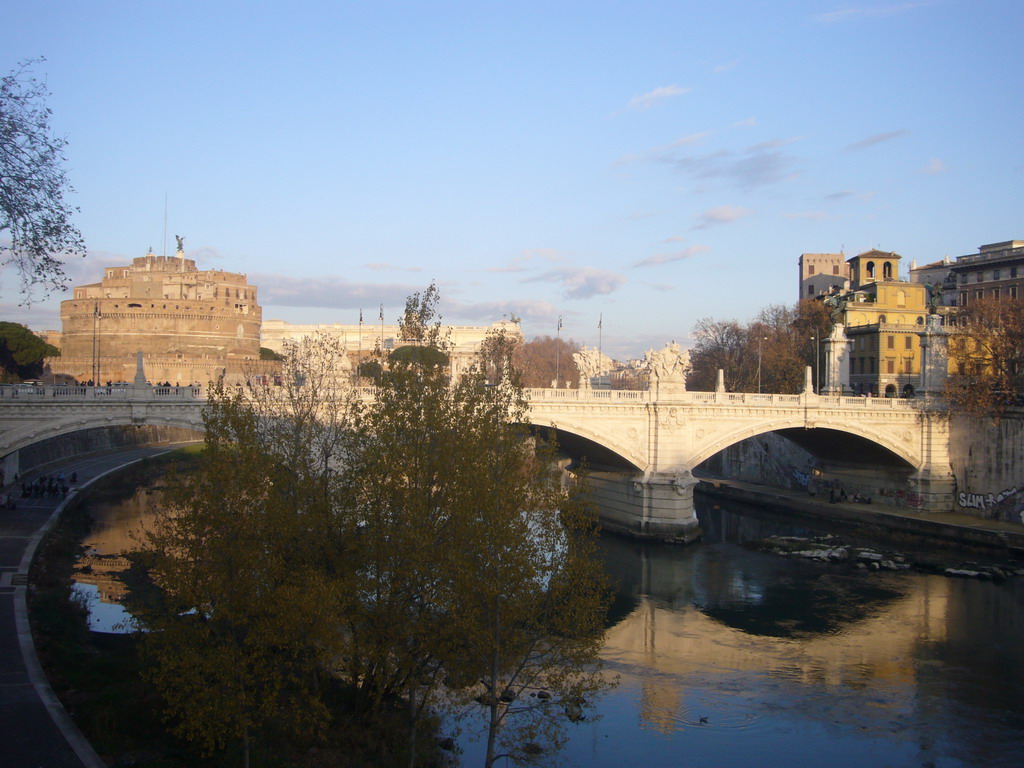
(763, 338)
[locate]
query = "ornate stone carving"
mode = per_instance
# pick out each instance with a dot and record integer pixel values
(590, 362)
(668, 367)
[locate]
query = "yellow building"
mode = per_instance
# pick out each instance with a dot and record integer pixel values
(883, 317)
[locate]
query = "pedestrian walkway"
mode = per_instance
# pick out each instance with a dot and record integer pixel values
(950, 526)
(35, 731)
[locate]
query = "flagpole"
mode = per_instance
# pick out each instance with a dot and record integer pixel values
(558, 350)
(382, 330)
(359, 353)
(600, 354)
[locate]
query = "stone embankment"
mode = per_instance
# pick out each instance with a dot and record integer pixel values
(832, 549)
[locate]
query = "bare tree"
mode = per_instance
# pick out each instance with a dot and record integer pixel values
(35, 219)
(986, 349)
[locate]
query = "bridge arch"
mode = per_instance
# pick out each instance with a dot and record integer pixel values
(904, 452)
(577, 436)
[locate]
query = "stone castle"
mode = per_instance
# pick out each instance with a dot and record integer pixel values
(194, 326)
(191, 325)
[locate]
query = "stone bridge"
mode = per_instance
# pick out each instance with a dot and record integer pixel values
(660, 439)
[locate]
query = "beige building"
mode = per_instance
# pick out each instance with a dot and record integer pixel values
(363, 340)
(821, 273)
(191, 325)
(995, 272)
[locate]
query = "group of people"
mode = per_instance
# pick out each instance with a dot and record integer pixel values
(47, 485)
(841, 497)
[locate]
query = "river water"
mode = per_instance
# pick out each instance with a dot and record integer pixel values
(732, 657)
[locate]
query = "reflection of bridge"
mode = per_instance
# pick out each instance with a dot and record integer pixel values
(663, 438)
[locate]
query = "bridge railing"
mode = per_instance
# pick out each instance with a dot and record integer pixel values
(61, 392)
(24, 392)
(719, 398)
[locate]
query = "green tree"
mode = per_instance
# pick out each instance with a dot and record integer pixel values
(248, 563)
(369, 543)
(22, 352)
(34, 216)
(475, 568)
(531, 594)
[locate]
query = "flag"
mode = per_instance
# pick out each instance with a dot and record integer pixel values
(382, 313)
(559, 322)
(600, 320)
(360, 316)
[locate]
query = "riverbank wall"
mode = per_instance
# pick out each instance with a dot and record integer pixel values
(100, 439)
(942, 529)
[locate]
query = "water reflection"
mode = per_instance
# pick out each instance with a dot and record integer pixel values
(730, 657)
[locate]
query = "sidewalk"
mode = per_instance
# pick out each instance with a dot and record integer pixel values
(35, 731)
(948, 527)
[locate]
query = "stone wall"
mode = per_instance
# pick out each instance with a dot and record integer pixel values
(988, 462)
(88, 441)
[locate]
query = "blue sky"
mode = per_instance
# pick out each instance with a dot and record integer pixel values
(643, 163)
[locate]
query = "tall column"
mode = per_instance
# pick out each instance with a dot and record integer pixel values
(837, 361)
(934, 356)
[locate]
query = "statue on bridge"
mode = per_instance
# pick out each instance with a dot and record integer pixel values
(668, 367)
(590, 362)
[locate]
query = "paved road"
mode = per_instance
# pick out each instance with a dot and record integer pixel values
(35, 731)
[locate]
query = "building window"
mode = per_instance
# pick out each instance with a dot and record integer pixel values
(963, 298)
(995, 294)
(1013, 291)
(810, 270)
(890, 366)
(995, 274)
(881, 319)
(1013, 271)
(810, 290)
(979, 276)
(870, 268)
(890, 342)
(979, 295)
(963, 277)
(887, 271)
(906, 342)
(835, 269)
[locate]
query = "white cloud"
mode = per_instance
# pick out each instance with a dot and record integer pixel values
(754, 168)
(667, 258)
(878, 138)
(328, 292)
(723, 214)
(871, 12)
(649, 99)
(582, 282)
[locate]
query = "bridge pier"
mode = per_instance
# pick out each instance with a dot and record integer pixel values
(650, 506)
(667, 510)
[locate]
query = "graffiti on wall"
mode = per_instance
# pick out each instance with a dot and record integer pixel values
(984, 501)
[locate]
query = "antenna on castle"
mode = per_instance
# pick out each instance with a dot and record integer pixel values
(165, 224)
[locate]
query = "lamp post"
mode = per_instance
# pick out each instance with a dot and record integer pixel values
(759, 341)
